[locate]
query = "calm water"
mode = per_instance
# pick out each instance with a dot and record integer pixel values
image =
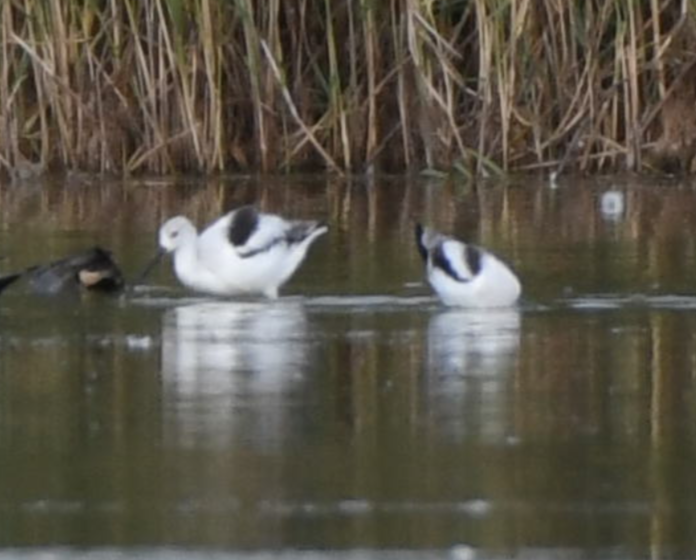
(356, 417)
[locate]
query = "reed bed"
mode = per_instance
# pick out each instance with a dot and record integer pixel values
(475, 86)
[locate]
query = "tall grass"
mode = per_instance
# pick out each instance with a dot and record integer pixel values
(480, 86)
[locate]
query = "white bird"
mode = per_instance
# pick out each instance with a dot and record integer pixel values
(466, 275)
(243, 252)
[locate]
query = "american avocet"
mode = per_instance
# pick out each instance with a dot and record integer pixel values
(465, 275)
(93, 269)
(243, 252)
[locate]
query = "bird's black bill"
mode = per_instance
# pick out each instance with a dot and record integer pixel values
(150, 267)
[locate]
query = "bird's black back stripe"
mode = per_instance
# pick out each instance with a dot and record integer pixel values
(244, 224)
(473, 258)
(253, 252)
(293, 236)
(440, 261)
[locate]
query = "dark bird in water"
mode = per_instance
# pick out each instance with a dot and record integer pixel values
(92, 270)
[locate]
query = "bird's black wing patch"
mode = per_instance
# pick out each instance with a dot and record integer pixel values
(441, 261)
(472, 254)
(473, 258)
(244, 224)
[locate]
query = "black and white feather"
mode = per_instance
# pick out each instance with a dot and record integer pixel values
(243, 252)
(465, 275)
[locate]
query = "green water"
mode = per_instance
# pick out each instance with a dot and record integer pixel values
(356, 417)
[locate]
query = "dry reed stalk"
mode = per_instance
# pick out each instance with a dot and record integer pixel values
(161, 86)
(295, 113)
(634, 57)
(253, 63)
(657, 46)
(369, 30)
(213, 77)
(403, 97)
(484, 78)
(338, 115)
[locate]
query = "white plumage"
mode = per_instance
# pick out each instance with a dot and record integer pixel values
(466, 275)
(243, 252)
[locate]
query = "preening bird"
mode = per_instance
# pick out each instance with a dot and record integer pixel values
(465, 275)
(242, 252)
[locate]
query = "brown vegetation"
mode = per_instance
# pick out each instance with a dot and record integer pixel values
(479, 86)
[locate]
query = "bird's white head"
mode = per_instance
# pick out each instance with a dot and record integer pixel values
(176, 232)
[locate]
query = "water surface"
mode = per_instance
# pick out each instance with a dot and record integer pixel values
(356, 417)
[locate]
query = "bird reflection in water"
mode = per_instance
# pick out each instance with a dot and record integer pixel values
(230, 369)
(471, 355)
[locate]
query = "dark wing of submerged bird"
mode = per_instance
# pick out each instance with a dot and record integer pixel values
(93, 269)
(8, 279)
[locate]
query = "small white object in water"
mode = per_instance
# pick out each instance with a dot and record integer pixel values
(134, 342)
(463, 552)
(612, 204)
(466, 275)
(243, 252)
(553, 179)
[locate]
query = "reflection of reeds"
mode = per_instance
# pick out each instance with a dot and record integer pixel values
(176, 85)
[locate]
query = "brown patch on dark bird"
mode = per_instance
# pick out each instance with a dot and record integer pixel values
(93, 270)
